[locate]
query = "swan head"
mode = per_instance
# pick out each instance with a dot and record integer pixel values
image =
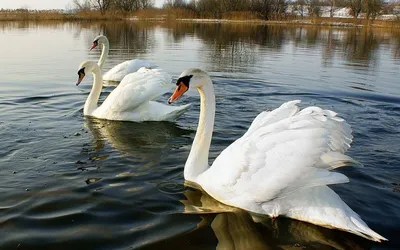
(84, 68)
(98, 40)
(190, 78)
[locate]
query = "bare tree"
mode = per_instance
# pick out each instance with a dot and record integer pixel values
(355, 7)
(372, 8)
(212, 7)
(299, 7)
(234, 5)
(331, 4)
(268, 8)
(168, 4)
(102, 5)
(81, 4)
(127, 5)
(192, 5)
(175, 4)
(145, 4)
(314, 8)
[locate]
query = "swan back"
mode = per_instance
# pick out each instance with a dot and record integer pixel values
(283, 151)
(118, 72)
(135, 90)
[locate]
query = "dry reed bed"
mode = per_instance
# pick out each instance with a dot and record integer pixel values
(189, 16)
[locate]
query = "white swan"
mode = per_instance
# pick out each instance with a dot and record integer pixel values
(280, 166)
(132, 99)
(117, 73)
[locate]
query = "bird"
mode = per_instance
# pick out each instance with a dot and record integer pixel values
(133, 99)
(117, 73)
(282, 164)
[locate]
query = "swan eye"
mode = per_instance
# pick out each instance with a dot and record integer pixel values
(94, 44)
(185, 80)
(81, 72)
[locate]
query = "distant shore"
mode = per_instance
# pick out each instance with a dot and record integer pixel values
(156, 15)
(343, 22)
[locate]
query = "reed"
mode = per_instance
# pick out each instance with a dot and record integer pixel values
(175, 14)
(36, 15)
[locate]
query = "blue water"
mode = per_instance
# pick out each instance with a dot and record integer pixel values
(69, 181)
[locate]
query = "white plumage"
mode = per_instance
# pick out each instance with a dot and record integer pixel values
(280, 166)
(118, 72)
(133, 99)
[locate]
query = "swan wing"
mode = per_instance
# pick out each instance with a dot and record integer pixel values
(136, 64)
(136, 89)
(281, 166)
(118, 72)
(155, 111)
(321, 206)
(283, 151)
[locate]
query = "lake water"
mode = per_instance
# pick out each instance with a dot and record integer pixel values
(67, 181)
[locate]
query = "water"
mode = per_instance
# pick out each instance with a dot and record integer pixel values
(69, 181)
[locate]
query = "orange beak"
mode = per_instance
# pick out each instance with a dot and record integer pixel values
(94, 45)
(179, 91)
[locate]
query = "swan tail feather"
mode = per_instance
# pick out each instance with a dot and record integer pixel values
(321, 206)
(178, 111)
(332, 160)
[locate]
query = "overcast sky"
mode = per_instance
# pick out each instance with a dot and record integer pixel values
(43, 4)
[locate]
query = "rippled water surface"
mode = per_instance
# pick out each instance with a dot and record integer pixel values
(68, 181)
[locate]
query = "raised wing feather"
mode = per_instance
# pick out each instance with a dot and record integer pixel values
(118, 72)
(135, 89)
(283, 151)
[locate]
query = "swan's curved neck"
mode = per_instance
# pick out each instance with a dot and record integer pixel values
(93, 98)
(197, 161)
(104, 54)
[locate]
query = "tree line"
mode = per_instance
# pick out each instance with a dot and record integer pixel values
(107, 5)
(264, 9)
(275, 9)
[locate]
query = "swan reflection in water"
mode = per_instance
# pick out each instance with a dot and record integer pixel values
(142, 140)
(237, 229)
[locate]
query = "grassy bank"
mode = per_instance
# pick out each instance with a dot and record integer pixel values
(188, 16)
(36, 15)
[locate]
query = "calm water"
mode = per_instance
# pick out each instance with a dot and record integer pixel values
(68, 181)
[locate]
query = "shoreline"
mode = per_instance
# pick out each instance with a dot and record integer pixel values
(94, 16)
(290, 22)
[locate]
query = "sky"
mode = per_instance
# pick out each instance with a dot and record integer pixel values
(43, 4)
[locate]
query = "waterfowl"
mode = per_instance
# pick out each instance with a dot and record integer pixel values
(280, 167)
(118, 72)
(132, 99)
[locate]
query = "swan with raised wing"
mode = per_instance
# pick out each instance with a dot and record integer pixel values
(133, 99)
(117, 73)
(280, 166)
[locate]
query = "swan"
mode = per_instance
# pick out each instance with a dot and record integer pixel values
(280, 166)
(117, 73)
(132, 99)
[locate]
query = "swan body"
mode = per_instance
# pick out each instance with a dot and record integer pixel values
(118, 72)
(280, 166)
(133, 99)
